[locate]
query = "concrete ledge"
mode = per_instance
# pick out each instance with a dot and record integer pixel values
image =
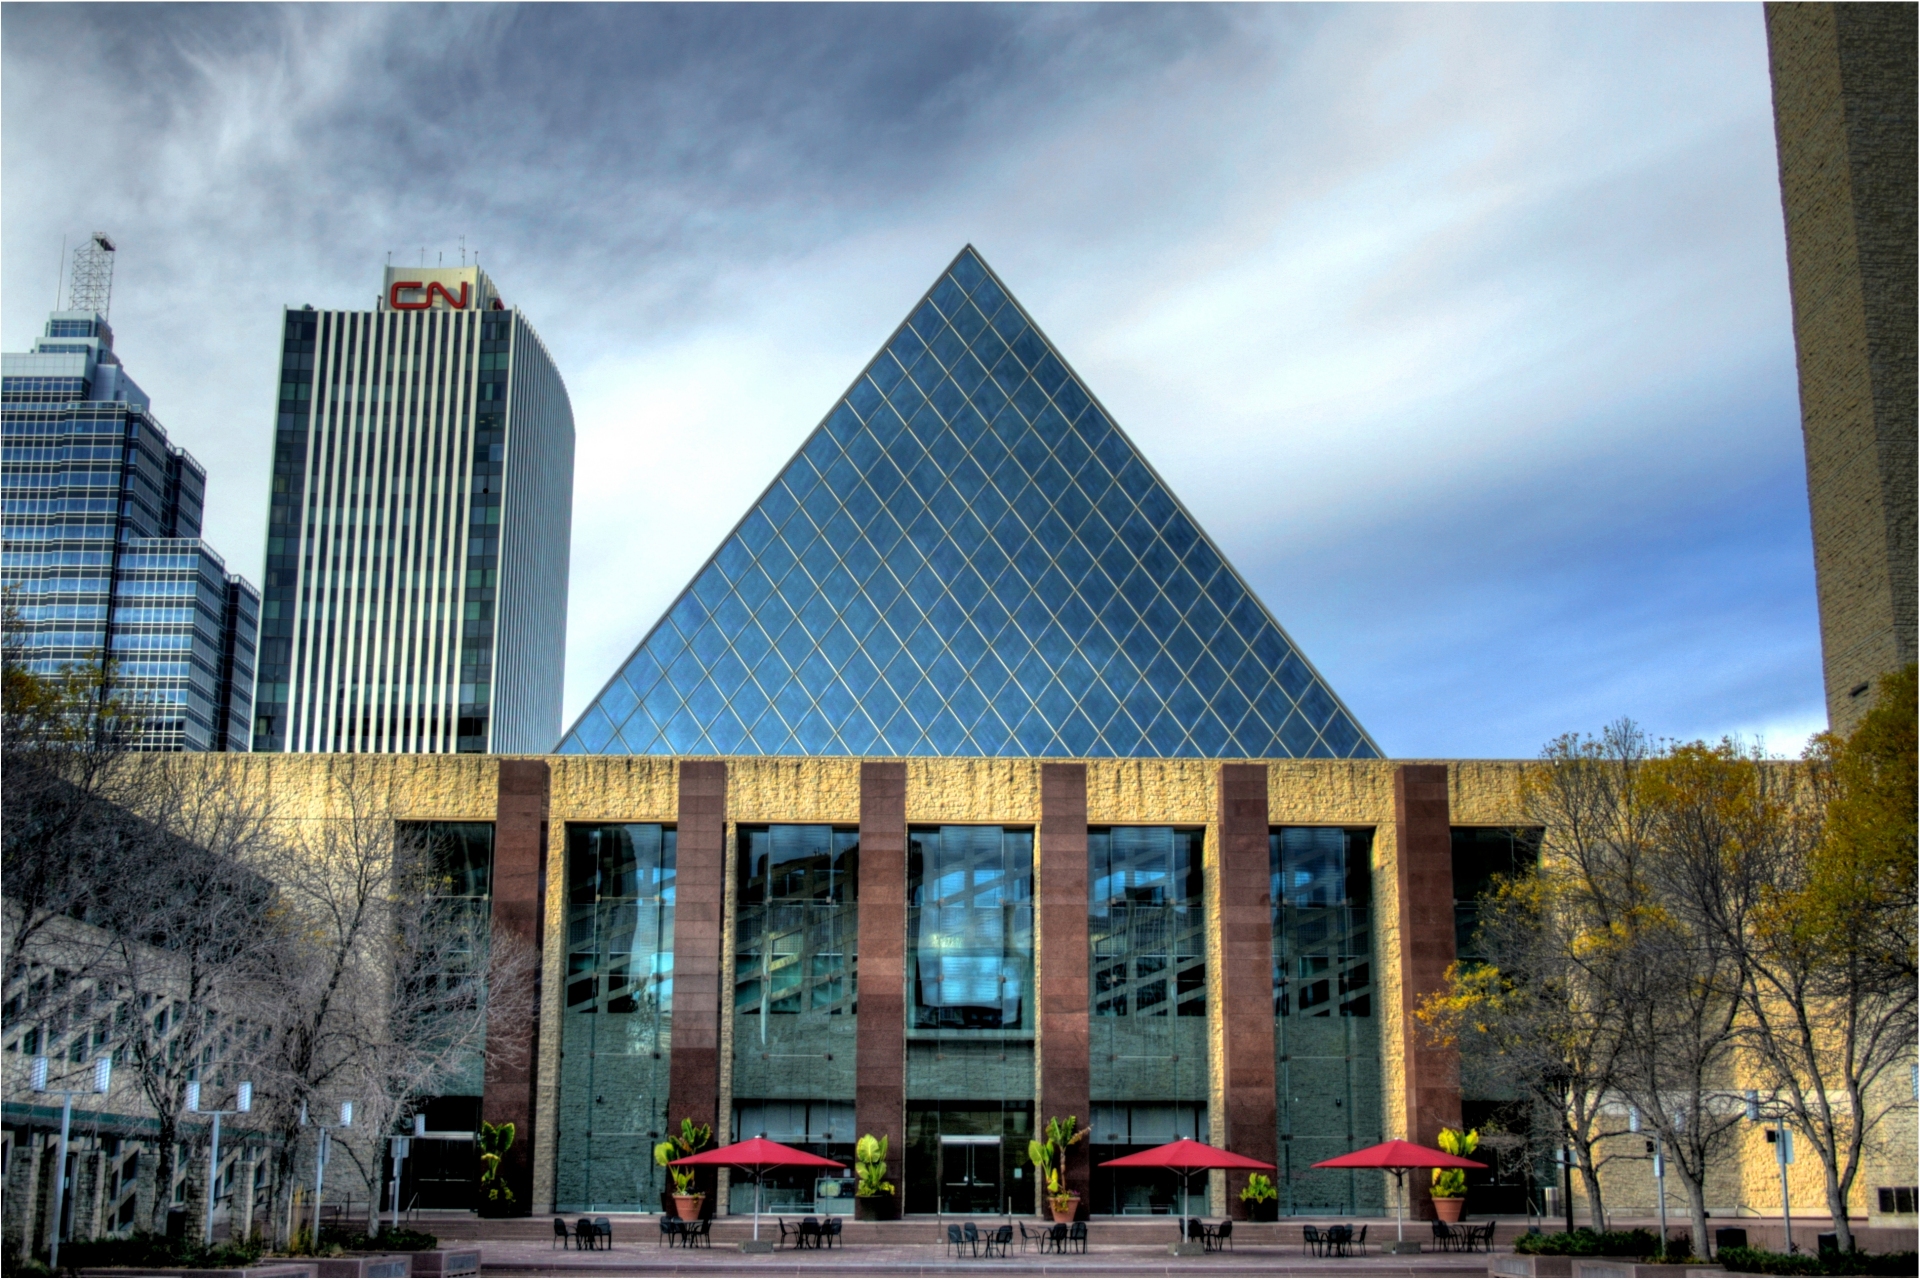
(389, 1264)
(447, 1262)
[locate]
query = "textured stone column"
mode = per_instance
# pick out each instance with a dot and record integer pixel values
(519, 884)
(1061, 897)
(1424, 843)
(699, 877)
(1244, 988)
(1844, 119)
(880, 1067)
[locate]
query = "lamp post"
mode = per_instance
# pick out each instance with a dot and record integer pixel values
(242, 1103)
(402, 1148)
(1660, 1188)
(102, 1077)
(320, 1162)
(1782, 1140)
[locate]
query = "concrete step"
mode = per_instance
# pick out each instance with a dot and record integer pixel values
(1141, 1230)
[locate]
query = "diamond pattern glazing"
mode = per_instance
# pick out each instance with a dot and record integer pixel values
(968, 558)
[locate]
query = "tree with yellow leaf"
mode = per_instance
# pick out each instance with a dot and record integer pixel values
(1829, 948)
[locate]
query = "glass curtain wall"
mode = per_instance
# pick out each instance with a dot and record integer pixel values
(1509, 1145)
(970, 1072)
(615, 1030)
(796, 931)
(1326, 1037)
(1146, 925)
(444, 1172)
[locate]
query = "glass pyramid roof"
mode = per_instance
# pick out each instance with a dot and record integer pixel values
(968, 558)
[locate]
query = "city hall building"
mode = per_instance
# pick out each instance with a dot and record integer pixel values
(965, 786)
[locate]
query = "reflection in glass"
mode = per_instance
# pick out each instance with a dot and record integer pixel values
(615, 1028)
(795, 999)
(1146, 927)
(970, 922)
(970, 1080)
(457, 859)
(1326, 1039)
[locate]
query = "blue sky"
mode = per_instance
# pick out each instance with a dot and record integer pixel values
(1463, 330)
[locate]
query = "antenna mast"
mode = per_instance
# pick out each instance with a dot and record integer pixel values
(91, 287)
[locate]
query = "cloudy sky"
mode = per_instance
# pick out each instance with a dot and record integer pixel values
(1463, 330)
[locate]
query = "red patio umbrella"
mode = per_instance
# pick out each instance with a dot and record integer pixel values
(1397, 1157)
(1184, 1157)
(759, 1155)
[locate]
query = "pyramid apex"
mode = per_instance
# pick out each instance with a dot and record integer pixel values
(967, 557)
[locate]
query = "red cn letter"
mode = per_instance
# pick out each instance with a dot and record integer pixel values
(399, 286)
(437, 287)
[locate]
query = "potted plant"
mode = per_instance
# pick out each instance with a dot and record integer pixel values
(1450, 1185)
(1049, 1157)
(1261, 1198)
(691, 1139)
(873, 1198)
(496, 1197)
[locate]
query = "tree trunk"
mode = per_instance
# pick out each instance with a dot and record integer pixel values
(1837, 1206)
(163, 1174)
(1590, 1178)
(1696, 1210)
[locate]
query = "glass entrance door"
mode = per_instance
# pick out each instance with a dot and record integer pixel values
(970, 1175)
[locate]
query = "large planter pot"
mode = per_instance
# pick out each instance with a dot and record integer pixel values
(1064, 1208)
(1262, 1210)
(1449, 1208)
(687, 1208)
(876, 1208)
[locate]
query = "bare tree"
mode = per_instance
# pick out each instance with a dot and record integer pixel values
(1527, 1020)
(385, 981)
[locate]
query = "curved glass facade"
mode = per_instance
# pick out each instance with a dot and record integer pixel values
(968, 558)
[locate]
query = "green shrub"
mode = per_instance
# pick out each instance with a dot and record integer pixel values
(390, 1240)
(145, 1249)
(1584, 1242)
(1764, 1262)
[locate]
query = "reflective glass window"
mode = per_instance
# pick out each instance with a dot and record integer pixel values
(616, 1020)
(970, 927)
(1326, 1038)
(795, 999)
(1483, 856)
(1147, 988)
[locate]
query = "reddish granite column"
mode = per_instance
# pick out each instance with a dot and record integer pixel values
(519, 882)
(880, 1065)
(1245, 987)
(700, 863)
(1424, 841)
(1060, 892)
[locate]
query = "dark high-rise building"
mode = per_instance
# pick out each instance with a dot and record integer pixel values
(417, 542)
(103, 557)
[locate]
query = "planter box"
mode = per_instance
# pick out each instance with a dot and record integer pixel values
(447, 1262)
(876, 1208)
(384, 1264)
(273, 1269)
(1635, 1267)
(1530, 1264)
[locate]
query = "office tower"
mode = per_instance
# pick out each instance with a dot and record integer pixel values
(417, 541)
(103, 555)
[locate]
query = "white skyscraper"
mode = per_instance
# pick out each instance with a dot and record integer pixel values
(417, 545)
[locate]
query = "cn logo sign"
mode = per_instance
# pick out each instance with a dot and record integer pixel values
(432, 287)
